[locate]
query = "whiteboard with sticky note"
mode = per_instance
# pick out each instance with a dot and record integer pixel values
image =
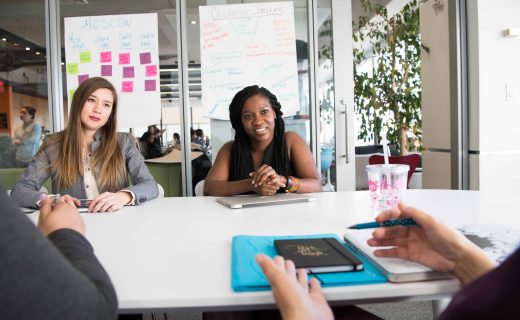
(124, 50)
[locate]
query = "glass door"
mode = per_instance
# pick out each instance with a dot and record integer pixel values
(210, 130)
(335, 93)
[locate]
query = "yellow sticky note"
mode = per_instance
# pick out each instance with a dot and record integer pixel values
(84, 57)
(71, 94)
(72, 68)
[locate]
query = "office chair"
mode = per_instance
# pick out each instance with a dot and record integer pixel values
(161, 191)
(411, 160)
(199, 189)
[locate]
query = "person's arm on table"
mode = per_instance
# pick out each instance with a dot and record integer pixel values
(60, 281)
(295, 296)
(266, 181)
(303, 164)
(430, 243)
(26, 192)
(143, 186)
(217, 183)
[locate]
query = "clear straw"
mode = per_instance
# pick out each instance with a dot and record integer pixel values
(385, 150)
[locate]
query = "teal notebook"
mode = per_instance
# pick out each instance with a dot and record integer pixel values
(246, 274)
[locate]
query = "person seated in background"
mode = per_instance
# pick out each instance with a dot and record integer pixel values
(51, 276)
(487, 293)
(193, 135)
(199, 138)
(175, 144)
(149, 148)
(89, 159)
(263, 158)
(176, 141)
(27, 137)
(155, 132)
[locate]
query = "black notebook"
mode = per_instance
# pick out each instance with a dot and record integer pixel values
(318, 255)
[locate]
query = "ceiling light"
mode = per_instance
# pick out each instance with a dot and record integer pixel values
(27, 48)
(4, 39)
(37, 52)
(193, 21)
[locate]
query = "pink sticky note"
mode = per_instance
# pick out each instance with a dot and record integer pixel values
(151, 70)
(128, 72)
(82, 78)
(124, 58)
(127, 86)
(105, 56)
(149, 85)
(106, 70)
(145, 57)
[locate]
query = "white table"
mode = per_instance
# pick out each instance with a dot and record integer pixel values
(173, 254)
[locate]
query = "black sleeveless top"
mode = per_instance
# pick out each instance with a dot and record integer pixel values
(268, 160)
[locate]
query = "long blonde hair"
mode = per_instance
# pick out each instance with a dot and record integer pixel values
(107, 160)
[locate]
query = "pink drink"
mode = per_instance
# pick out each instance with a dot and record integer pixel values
(387, 185)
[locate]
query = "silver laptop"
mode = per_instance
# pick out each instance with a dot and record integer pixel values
(255, 200)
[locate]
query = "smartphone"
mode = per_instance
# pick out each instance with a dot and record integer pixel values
(83, 205)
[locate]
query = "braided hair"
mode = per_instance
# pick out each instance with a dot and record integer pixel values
(241, 163)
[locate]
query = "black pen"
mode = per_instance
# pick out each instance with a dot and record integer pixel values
(387, 223)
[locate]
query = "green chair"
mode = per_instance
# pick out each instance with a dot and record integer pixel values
(9, 177)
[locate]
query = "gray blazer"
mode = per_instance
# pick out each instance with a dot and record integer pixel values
(26, 191)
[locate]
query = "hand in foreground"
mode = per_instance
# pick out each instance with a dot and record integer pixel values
(109, 201)
(56, 213)
(295, 297)
(266, 181)
(430, 243)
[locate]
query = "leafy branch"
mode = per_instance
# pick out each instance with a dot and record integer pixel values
(388, 97)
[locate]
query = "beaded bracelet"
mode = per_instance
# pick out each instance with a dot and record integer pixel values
(293, 184)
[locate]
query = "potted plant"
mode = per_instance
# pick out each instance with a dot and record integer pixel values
(387, 96)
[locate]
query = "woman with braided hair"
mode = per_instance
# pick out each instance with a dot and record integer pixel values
(262, 158)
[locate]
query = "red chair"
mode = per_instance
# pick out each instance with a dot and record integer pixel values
(411, 160)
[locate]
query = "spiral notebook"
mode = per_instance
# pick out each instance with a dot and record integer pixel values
(395, 269)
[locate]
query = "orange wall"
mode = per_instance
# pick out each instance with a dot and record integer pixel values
(6, 103)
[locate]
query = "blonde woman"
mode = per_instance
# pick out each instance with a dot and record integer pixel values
(89, 159)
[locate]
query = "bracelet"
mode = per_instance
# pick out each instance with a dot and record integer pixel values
(289, 184)
(293, 184)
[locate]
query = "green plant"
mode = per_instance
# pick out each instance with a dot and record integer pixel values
(388, 97)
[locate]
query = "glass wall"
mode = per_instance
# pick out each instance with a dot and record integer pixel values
(23, 77)
(219, 131)
(24, 111)
(152, 59)
(326, 97)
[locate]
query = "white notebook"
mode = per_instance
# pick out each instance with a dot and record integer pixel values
(255, 200)
(395, 269)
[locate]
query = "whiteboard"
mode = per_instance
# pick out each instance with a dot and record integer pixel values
(247, 44)
(124, 50)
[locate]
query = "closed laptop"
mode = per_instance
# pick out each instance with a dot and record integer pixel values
(255, 200)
